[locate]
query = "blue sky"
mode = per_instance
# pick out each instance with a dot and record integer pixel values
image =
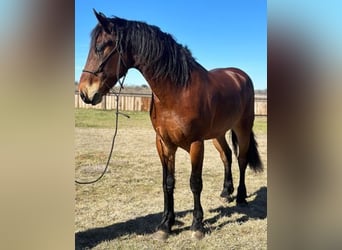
(219, 33)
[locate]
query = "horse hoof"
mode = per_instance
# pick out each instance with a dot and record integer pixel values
(160, 235)
(227, 199)
(242, 203)
(198, 235)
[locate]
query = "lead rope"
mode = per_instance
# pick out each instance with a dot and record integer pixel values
(117, 113)
(113, 141)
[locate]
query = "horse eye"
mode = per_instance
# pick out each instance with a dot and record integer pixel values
(98, 49)
(110, 43)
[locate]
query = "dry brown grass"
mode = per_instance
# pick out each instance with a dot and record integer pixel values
(122, 210)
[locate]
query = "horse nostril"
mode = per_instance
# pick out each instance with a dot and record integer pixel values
(97, 98)
(84, 98)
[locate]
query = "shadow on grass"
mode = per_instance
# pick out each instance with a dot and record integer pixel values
(256, 209)
(141, 226)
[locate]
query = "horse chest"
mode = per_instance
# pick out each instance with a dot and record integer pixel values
(172, 127)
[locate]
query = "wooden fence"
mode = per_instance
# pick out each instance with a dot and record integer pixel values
(141, 102)
(260, 105)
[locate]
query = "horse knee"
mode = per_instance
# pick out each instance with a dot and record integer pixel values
(170, 183)
(196, 184)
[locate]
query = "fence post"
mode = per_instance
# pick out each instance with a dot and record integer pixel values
(104, 102)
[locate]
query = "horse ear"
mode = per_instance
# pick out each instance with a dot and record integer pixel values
(103, 20)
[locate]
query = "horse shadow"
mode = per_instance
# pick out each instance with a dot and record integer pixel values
(256, 209)
(145, 225)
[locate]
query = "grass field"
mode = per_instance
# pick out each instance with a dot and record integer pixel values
(122, 210)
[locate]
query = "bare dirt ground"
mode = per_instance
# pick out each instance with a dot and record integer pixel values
(122, 210)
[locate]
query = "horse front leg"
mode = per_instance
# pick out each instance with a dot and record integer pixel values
(196, 155)
(167, 156)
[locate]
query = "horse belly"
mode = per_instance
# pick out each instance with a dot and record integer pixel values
(219, 128)
(223, 119)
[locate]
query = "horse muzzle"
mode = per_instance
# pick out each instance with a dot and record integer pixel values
(95, 99)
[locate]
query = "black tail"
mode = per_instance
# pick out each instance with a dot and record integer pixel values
(252, 154)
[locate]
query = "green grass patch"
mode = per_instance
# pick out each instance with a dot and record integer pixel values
(95, 118)
(260, 125)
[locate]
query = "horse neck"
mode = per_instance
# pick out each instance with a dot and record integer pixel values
(166, 90)
(161, 88)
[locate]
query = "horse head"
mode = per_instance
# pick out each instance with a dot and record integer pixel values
(106, 63)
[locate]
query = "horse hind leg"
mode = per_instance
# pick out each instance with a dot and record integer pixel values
(247, 154)
(222, 147)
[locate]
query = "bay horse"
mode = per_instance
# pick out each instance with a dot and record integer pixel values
(189, 105)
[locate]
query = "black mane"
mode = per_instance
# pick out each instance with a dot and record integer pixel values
(157, 52)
